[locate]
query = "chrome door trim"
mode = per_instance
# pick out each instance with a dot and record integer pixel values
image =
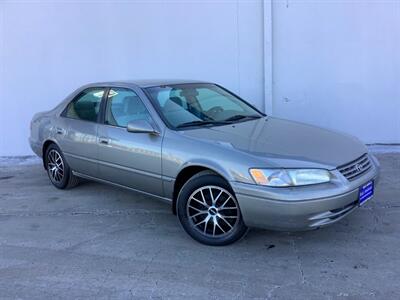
(164, 199)
(68, 154)
(137, 171)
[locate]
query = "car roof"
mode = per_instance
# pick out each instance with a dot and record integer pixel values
(144, 83)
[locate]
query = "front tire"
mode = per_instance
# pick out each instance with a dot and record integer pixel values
(58, 170)
(209, 212)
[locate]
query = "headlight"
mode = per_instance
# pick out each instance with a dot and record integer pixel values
(289, 177)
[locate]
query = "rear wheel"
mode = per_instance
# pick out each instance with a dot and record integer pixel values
(209, 211)
(58, 170)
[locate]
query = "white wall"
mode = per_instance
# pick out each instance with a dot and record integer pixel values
(331, 63)
(49, 48)
(337, 64)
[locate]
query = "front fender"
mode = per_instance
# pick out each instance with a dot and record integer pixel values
(209, 164)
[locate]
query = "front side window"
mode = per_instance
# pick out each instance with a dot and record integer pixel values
(123, 106)
(185, 105)
(86, 105)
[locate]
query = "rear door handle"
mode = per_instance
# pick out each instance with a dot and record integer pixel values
(104, 140)
(60, 130)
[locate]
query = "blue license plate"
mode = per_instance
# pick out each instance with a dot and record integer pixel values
(366, 192)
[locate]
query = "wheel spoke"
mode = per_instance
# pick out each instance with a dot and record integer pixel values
(202, 221)
(202, 203)
(223, 219)
(216, 199)
(206, 223)
(199, 214)
(196, 209)
(230, 217)
(214, 224)
(220, 227)
(226, 201)
(223, 208)
(212, 196)
(202, 197)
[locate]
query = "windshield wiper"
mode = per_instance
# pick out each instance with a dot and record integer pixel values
(213, 122)
(241, 117)
(200, 123)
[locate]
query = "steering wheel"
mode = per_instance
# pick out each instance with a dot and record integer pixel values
(215, 110)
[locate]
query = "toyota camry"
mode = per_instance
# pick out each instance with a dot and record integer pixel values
(221, 164)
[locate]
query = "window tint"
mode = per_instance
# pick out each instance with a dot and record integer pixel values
(86, 106)
(123, 106)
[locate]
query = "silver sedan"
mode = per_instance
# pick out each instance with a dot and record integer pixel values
(222, 165)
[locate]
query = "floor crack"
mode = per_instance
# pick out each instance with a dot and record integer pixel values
(299, 263)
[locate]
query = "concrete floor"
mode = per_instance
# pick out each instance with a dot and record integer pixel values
(97, 241)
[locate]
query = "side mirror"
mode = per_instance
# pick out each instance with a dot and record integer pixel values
(141, 126)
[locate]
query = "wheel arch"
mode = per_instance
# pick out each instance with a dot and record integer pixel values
(188, 172)
(46, 145)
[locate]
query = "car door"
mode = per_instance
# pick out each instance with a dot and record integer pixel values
(127, 158)
(77, 131)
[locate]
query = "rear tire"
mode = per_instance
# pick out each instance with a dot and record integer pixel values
(209, 212)
(58, 170)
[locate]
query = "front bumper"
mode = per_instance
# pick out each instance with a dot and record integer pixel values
(301, 208)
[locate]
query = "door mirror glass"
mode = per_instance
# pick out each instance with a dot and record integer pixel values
(140, 126)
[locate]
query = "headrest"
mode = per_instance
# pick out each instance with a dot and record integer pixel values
(189, 93)
(85, 110)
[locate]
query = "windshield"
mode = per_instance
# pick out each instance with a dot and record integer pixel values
(200, 104)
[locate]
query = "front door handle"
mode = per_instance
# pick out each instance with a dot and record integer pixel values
(104, 140)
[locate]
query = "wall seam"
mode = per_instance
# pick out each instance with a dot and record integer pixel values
(268, 57)
(2, 60)
(238, 46)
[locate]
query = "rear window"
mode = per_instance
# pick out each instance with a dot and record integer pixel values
(86, 105)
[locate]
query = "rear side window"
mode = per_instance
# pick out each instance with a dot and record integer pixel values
(123, 106)
(86, 105)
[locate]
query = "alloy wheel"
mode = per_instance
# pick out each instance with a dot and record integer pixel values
(55, 166)
(212, 211)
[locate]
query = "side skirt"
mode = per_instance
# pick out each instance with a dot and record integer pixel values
(163, 199)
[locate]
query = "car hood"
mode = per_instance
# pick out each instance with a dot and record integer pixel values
(284, 143)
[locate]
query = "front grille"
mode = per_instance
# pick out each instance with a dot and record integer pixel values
(356, 168)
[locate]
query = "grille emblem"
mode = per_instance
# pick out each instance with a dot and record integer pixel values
(359, 167)
(355, 168)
